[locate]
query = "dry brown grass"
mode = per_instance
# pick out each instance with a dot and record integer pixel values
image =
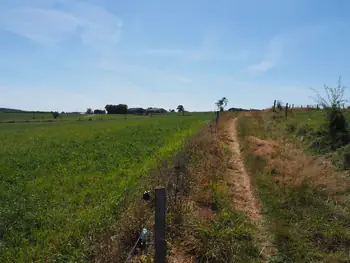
(289, 164)
(200, 164)
(304, 197)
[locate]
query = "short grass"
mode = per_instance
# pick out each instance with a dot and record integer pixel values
(309, 224)
(13, 117)
(61, 183)
(229, 237)
(313, 118)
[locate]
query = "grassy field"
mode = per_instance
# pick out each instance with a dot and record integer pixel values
(313, 117)
(13, 117)
(305, 200)
(61, 183)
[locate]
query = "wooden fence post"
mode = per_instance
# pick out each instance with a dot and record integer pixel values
(274, 105)
(217, 116)
(286, 110)
(160, 217)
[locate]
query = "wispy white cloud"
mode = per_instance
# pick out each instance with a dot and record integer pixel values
(263, 66)
(273, 54)
(205, 50)
(155, 78)
(47, 27)
(96, 27)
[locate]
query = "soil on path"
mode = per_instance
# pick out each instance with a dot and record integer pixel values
(244, 198)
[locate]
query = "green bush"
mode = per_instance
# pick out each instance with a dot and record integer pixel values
(55, 114)
(291, 127)
(337, 127)
(341, 158)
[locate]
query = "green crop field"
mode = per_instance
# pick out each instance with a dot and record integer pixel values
(61, 182)
(13, 117)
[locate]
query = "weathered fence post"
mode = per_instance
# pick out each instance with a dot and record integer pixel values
(274, 105)
(160, 217)
(286, 110)
(217, 116)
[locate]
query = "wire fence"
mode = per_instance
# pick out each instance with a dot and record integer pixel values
(173, 183)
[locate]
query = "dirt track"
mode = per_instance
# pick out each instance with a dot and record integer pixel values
(239, 180)
(244, 196)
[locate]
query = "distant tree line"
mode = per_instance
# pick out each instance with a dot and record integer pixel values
(237, 109)
(124, 109)
(99, 111)
(117, 109)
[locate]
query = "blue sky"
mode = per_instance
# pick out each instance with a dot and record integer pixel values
(73, 54)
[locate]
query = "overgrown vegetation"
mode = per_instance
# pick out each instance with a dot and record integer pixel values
(337, 130)
(215, 231)
(323, 130)
(305, 200)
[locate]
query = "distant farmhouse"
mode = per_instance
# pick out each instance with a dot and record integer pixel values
(136, 111)
(155, 111)
(146, 111)
(240, 109)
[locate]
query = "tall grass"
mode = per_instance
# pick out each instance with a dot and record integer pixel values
(309, 223)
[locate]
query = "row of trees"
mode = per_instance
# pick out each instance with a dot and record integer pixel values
(97, 111)
(123, 108)
(117, 109)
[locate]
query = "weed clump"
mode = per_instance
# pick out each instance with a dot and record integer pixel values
(291, 127)
(335, 132)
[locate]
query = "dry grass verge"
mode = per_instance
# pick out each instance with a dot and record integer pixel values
(305, 200)
(201, 223)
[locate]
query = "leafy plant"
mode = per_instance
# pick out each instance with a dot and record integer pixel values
(337, 125)
(55, 114)
(181, 108)
(222, 103)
